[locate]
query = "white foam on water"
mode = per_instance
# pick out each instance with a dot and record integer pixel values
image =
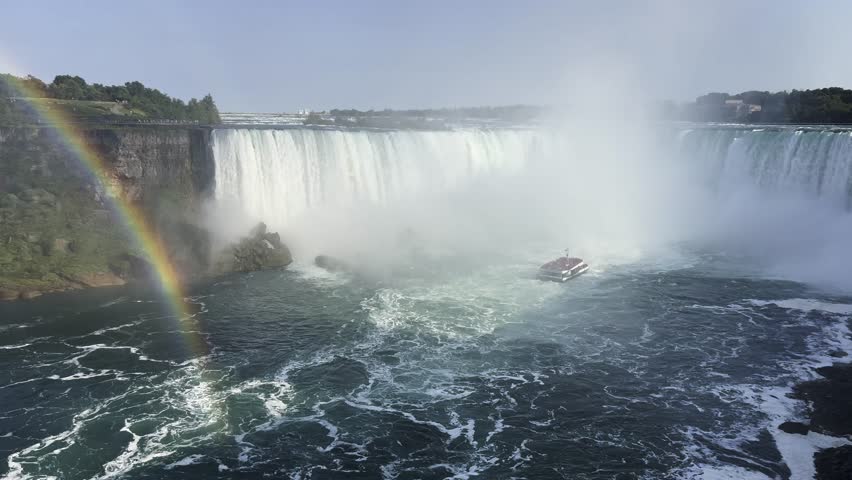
(113, 302)
(183, 390)
(113, 329)
(806, 305)
(499, 426)
(722, 472)
(10, 326)
(186, 461)
(797, 451)
(451, 433)
(318, 275)
(39, 449)
(466, 472)
(129, 458)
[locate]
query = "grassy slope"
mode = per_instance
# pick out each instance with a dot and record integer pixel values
(86, 108)
(51, 223)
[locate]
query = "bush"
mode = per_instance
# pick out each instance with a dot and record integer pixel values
(151, 101)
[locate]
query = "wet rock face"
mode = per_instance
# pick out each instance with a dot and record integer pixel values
(829, 399)
(130, 267)
(794, 427)
(834, 463)
(331, 264)
(144, 162)
(9, 294)
(830, 413)
(260, 250)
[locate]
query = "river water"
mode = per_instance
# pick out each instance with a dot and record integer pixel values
(645, 370)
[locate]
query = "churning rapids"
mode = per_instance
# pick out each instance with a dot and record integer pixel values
(451, 362)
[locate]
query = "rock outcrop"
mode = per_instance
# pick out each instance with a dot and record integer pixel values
(331, 264)
(260, 250)
(834, 463)
(829, 413)
(828, 399)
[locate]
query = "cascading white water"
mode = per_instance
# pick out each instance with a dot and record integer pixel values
(732, 189)
(277, 175)
(780, 195)
(812, 163)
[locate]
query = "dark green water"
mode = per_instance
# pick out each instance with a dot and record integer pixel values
(637, 370)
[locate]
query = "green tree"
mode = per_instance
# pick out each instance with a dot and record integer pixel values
(33, 84)
(210, 112)
(66, 87)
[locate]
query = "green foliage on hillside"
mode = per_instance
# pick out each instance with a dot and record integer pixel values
(823, 105)
(53, 227)
(514, 113)
(132, 99)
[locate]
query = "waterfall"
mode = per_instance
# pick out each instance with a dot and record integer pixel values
(277, 175)
(814, 163)
(780, 195)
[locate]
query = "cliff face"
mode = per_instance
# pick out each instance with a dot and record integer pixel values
(56, 231)
(145, 162)
(142, 161)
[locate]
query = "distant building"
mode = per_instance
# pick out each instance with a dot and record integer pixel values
(741, 109)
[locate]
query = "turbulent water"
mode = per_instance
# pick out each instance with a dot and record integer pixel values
(449, 365)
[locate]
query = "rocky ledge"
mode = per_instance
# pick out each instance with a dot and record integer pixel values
(259, 250)
(829, 401)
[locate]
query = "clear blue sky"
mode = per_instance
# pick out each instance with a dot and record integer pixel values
(282, 55)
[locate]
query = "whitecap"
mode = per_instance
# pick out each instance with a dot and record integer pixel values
(807, 305)
(186, 461)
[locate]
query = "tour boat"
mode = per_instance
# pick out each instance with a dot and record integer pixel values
(563, 269)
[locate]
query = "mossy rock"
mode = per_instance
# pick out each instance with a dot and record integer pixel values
(38, 196)
(9, 294)
(120, 266)
(83, 245)
(9, 200)
(55, 247)
(131, 267)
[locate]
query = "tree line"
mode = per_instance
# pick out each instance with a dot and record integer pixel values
(517, 113)
(822, 105)
(135, 96)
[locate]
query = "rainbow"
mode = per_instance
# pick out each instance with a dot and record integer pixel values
(146, 239)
